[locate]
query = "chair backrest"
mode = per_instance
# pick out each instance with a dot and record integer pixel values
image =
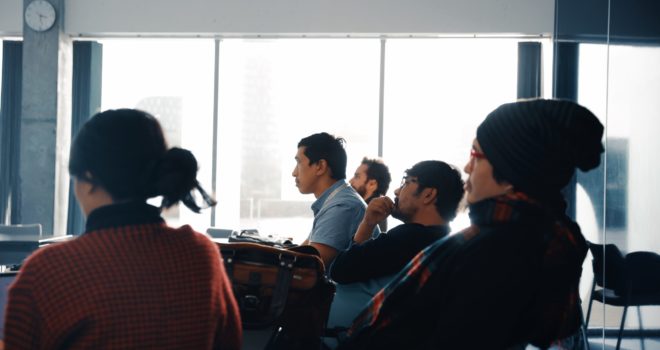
(643, 272)
(14, 252)
(32, 230)
(216, 232)
(6, 278)
(609, 266)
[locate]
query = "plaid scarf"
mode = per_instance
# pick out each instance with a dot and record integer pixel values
(555, 314)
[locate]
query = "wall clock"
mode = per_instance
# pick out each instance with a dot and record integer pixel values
(40, 15)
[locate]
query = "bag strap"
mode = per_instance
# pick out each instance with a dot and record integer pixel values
(229, 264)
(333, 194)
(283, 282)
(280, 294)
(282, 285)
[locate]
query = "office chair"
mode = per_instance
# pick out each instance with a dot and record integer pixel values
(12, 253)
(215, 232)
(629, 280)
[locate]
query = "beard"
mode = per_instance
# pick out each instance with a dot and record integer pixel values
(397, 213)
(361, 190)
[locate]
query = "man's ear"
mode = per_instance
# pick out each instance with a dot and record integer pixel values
(321, 167)
(89, 180)
(429, 195)
(508, 188)
(372, 185)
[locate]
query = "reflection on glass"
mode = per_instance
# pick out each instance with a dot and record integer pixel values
(592, 93)
(589, 208)
(173, 80)
(633, 107)
(622, 197)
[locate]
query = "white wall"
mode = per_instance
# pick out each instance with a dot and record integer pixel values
(294, 17)
(312, 17)
(11, 17)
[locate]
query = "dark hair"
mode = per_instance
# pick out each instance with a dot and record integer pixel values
(325, 146)
(446, 179)
(378, 171)
(499, 178)
(124, 151)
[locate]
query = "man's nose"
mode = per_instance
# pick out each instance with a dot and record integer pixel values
(468, 166)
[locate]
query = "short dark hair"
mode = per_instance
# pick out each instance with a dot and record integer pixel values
(446, 179)
(125, 152)
(378, 171)
(325, 146)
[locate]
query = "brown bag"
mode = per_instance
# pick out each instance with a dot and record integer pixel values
(279, 287)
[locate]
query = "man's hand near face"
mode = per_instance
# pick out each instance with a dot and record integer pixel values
(377, 210)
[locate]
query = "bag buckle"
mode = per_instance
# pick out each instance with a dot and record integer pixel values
(251, 302)
(285, 263)
(229, 259)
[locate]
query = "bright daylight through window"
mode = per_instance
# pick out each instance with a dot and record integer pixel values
(273, 92)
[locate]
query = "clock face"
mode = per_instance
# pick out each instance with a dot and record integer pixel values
(40, 15)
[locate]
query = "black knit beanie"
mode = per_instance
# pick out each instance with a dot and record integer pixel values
(536, 144)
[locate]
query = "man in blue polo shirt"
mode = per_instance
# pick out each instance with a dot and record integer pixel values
(338, 209)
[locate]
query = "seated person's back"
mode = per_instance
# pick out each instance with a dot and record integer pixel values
(129, 281)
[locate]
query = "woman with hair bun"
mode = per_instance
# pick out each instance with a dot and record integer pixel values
(130, 281)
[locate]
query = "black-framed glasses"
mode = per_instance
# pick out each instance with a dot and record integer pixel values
(406, 180)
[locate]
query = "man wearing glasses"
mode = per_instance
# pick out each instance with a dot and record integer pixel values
(426, 201)
(338, 209)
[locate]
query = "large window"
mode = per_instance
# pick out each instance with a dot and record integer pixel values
(173, 80)
(273, 92)
(436, 94)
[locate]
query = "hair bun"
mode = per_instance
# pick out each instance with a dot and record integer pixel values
(176, 175)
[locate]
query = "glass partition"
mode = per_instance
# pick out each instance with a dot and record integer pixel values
(632, 191)
(618, 78)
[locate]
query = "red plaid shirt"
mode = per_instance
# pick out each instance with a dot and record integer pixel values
(124, 285)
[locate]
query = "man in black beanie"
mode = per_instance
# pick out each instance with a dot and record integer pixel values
(512, 277)
(536, 145)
